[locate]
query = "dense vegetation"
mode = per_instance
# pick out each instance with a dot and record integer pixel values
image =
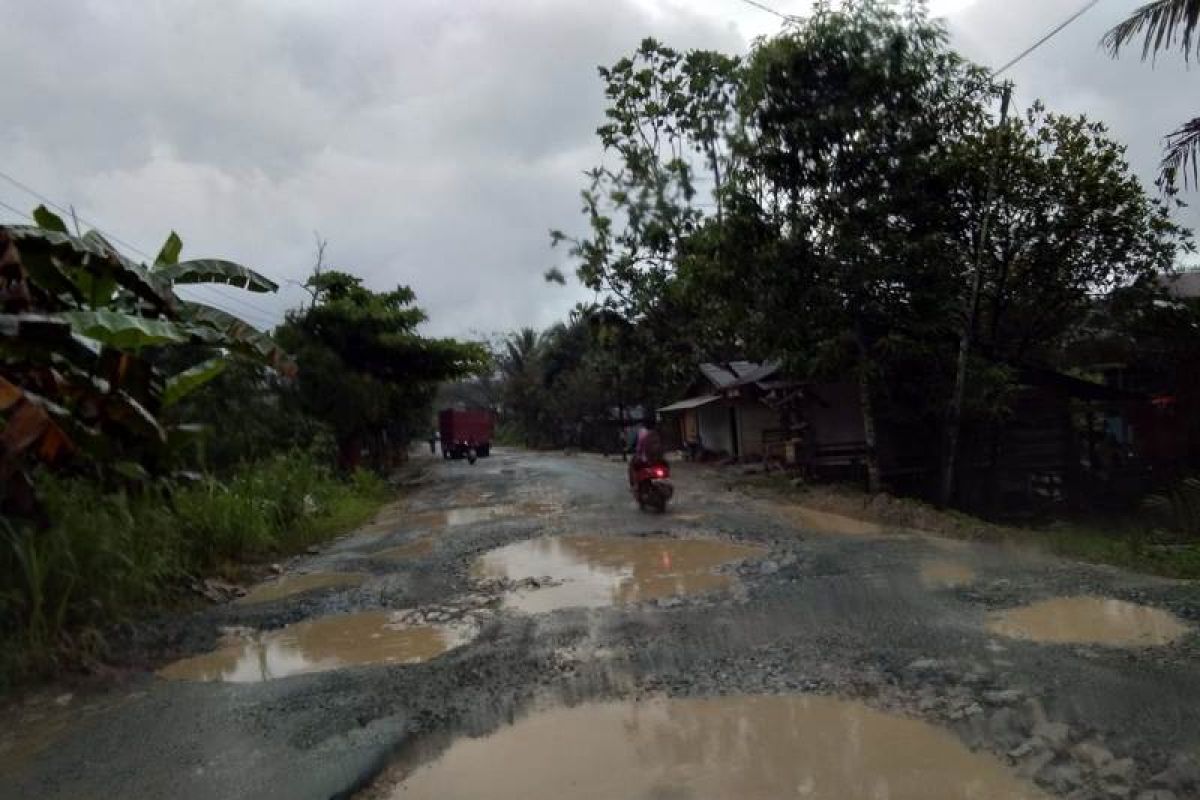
(852, 199)
(148, 440)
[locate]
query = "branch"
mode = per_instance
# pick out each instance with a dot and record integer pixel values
(1161, 19)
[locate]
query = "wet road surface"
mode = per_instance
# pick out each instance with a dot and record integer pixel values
(521, 618)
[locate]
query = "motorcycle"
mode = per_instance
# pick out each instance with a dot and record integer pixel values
(652, 486)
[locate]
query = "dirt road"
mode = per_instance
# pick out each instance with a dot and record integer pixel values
(731, 647)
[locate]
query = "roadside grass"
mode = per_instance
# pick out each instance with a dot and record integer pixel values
(1125, 542)
(107, 556)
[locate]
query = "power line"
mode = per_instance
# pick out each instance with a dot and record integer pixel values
(1053, 31)
(259, 311)
(71, 212)
(17, 211)
(261, 316)
(769, 10)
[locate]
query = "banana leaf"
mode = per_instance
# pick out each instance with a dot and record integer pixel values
(215, 270)
(169, 253)
(183, 383)
(125, 331)
(223, 329)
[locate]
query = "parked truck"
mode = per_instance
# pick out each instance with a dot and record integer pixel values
(465, 433)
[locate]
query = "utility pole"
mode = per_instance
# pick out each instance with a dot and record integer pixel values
(954, 416)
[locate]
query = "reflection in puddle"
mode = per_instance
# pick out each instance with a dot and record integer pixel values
(730, 747)
(318, 645)
(1089, 620)
(811, 519)
(289, 585)
(606, 570)
(943, 574)
(472, 515)
(413, 549)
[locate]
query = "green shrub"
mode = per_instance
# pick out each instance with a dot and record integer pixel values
(106, 554)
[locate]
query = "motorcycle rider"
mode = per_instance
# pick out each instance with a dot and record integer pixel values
(649, 448)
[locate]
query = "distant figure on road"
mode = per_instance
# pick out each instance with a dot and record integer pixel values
(433, 440)
(648, 448)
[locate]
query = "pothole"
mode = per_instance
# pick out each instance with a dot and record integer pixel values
(289, 585)
(594, 571)
(748, 747)
(939, 573)
(1089, 620)
(318, 645)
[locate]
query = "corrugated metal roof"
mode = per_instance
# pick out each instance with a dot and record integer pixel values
(691, 402)
(718, 375)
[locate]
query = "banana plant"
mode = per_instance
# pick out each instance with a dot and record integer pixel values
(80, 325)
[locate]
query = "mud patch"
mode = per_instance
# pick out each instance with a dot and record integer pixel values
(1089, 620)
(743, 747)
(40, 722)
(318, 645)
(413, 549)
(940, 573)
(810, 519)
(595, 571)
(289, 585)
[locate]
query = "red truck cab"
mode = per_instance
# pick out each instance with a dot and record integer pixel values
(465, 431)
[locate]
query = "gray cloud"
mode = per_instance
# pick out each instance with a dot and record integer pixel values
(433, 144)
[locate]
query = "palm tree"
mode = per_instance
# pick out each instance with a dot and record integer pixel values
(1162, 25)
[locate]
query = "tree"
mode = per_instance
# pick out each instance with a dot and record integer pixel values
(856, 113)
(1070, 224)
(364, 368)
(1165, 23)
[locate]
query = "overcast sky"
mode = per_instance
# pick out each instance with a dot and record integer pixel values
(431, 143)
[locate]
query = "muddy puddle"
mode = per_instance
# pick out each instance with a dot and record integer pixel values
(318, 645)
(595, 571)
(751, 748)
(289, 585)
(940, 573)
(1089, 620)
(810, 519)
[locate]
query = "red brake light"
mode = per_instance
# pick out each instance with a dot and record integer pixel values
(659, 472)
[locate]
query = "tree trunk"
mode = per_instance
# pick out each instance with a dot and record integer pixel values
(868, 414)
(954, 412)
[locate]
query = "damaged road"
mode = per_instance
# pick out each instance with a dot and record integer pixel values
(527, 602)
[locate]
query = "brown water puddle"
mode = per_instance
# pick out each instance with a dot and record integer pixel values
(318, 645)
(413, 549)
(827, 522)
(941, 573)
(289, 585)
(1089, 620)
(599, 571)
(750, 748)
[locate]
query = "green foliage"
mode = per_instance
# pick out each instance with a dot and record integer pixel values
(81, 387)
(846, 165)
(1167, 23)
(366, 371)
(106, 554)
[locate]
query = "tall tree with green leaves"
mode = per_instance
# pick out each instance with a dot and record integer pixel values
(856, 113)
(364, 368)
